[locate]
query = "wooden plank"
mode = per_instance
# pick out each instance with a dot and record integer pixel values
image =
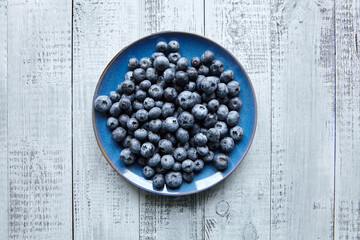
(105, 205)
(239, 208)
(168, 217)
(39, 120)
(303, 119)
(3, 122)
(347, 194)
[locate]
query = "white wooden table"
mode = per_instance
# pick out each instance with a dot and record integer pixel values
(300, 180)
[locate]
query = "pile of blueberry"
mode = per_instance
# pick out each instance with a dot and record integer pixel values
(170, 118)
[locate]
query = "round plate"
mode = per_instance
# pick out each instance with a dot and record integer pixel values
(191, 45)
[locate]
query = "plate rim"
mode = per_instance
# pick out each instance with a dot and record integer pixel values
(174, 194)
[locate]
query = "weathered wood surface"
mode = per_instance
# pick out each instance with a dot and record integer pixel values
(3, 122)
(239, 207)
(303, 119)
(39, 120)
(347, 188)
(300, 179)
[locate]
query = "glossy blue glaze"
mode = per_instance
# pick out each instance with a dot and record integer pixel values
(191, 45)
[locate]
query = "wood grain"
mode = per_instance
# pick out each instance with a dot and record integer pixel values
(168, 217)
(303, 119)
(39, 120)
(239, 208)
(105, 205)
(3, 122)
(347, 194)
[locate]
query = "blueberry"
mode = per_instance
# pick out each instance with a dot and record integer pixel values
(192, 153)
(147, 150)
(172, 66)
(156, 92)
(227, 144)
(173, 179)
(200, 139)
(140, 95)
(119, 134)
(149, 103)
(192, 73)
(174, 57)
(209, 84)
(207, 58)
(213, 135)
(159, 104)
(199, 111)
(235, 104)
(148, 172)
(153, 137)
(115, 109)
(132, 124)
(186, 120)
(114, 96)
(139, 75)
(234, 88)
(165, 146)
(182, 135)
(173, 46)
(127, 157)
(203, 70)
(207, 97)
(133, 63)
(186, 100)
(192, 142)
(155, 55)
(128, 76)
(119, 88)
(169, 75)
(209, 157)
(224, 100)
(142, 115)
(161, 82)
(136, 105)
(210, 120)
(161, 47)
(167, 161)
(203, 150)
(203, 131)
(158, 181)
(222, 90)
(161, 63)
(126, 141)
(222, 127)
(155, 125)
(141, 161)
(195, 62)
(170, 94)
(176, 167)
(145, 63)
(213, 105)
(199, 165)
(102, 103)
(216, 68)
(124, 103)
(145, 85)
(222, 112)
(187, 165)
(140, 134)
(154, 160)
(221, 161)
(195, 129)
(232, 118)
(151, 75)
(159, 169)
(181, 78)
(145, 126)
(128, 87)
(198, 82)
(182, 64)
(167, 109)
(236, 133)
(186, 146)
(226, 76)
(188, 177)
(170, 124)
(197, 97)
(213, 145)
(131, 97)
(154, 113)
(135, 146)
(180, 154)
(190, 86)
(112, 123)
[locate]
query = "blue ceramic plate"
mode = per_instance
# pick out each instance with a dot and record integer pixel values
(191, 45)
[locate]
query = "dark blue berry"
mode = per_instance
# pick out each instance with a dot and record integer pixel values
(119, 134)
(234, 88)
(213, 135)
(216, 68)
(195, 62)
(209, 157)
(145, 63)
(176, 167)
(207, 58)
(149, 103)
(153, 137)
(141, 161)
(213, 105)
(169, 75)
(182, 64)
(226, 76)
(140, 134)
(132, 124)
(165, 146)
(161, 63)
(155, 125)
(136, 105)
(235, 104)
(209, 85)
(173, 179)
(115, 110)
(190, 86)
(161, 47)
(158, 181)
(213, 145)
(210, 120)
(167, 161)
(180, 154)
(222, 112)
(170, 94)
(151, 75)
(192, 73)
(203, 150)
(171, 124)
(142, 115)
(127, 157)
(199, 111)
(222, 127)
(167, 109)
(236, 133)
(174, 57)
(145, 85)
(148, 172)
(155, 55)
(154, 160)
(203, 70)
(181, 78)
(188, 177)
(124, 103)
(222, 90)
(128, 87)
(139, 75)
(114, 96)
(227, 144)
(102, 103)
(232, 118)
(133, 63)
(126, 141)
(192, 153)
(187, 165)
(159, 104)
(147, 150)
(186, 100)
(207, 97)
(154, 113)
(199, 165)
(186, 120)
(221, 161)
(128, 76)
(135, 146)
(200, 139)
(159, 169)
(156, 92)
(140, 95)
(112, 123)
(182, 135)
(173, 46)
